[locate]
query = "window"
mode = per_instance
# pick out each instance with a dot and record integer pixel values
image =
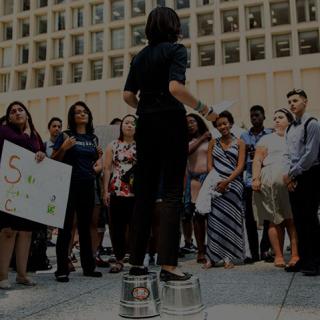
(8, 7)
(205, 24)
(138, 8)
(59, 1)
(25, 27)
(7, 31)
(7, 57)
(25, 5)
(201, 3)
(41, 51)
(185, 28)
(96, 69)
(97, 13)
(117, 10)
(138, 36)
(188, 57)
(281, 45)
(23, 54)
(97, 41)
(116, 67)
(42, 24)
(309, 42)
(58, 48)
(254, 17)
(256, 49)
(76, 72)
(159, 3)
(230, 21)
(117, 38)
(231, 51)
(59, 21)
(206, 55)
(4, 82)
(280, 13)
(306, 10)
(77, 16)
(22, 80)
(57, 72)
(39, 77)
(78, 47)
(42, 3)
(181, 4)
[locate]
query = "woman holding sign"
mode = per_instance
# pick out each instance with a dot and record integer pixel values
(15, 231)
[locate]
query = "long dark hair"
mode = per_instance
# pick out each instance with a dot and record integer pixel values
(163, 25)
(202, 127)
(29, 118)
(121, 136)
(71, 115)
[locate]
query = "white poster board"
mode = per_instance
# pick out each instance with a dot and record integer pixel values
(31, 190)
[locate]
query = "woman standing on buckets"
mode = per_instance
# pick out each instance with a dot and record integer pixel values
(157, 72)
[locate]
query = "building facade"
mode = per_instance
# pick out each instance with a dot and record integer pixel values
(55, 52)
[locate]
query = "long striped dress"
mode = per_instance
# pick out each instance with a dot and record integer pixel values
(225, 223)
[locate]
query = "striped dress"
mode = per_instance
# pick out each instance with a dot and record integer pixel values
(225, 221)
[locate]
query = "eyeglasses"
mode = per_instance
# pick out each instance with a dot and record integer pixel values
(299, 92)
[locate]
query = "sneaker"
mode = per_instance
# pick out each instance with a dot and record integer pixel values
(189, 248)
(61, 277)
(5, 284)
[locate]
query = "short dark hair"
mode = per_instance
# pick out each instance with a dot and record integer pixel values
(163, 25)
(113, 121)
(202, 127)
(71, 121)
(225, 114)
(299, 92)
(52, 120)
(287, 113)
(121, 136)
(257, 107)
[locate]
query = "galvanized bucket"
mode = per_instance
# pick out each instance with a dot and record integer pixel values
(181, 300)
(140, 296)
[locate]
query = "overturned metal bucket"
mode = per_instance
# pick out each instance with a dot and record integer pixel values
(181, 300)
(140, 296)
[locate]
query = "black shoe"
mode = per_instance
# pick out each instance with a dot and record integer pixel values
(311, 270)
(169, 276)
(267, 257)
(137, 271)
(295, 268)
(61, 277)
(189, 248)
(93, 274)
(249, 260)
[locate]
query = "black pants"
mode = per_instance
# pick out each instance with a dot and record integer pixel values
(162, 150)
(120, 214)
(305, 203)
(81, 203)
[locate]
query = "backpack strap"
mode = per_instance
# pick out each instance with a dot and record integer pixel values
(305, 129)
(289, 127)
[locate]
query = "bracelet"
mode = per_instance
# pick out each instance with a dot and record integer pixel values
(200, 106)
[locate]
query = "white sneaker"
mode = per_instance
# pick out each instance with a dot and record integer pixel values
(5, 284)
(146, 260)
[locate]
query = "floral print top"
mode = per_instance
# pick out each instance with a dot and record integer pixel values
(124, 158)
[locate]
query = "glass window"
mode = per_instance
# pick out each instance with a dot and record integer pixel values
(256, 49)
(41, 51)
(138, 8)
(117, 67)
(254, 17)
(39, 77)
(309, 42)
(96, 69)
(76, 72)
(117, 10)
(42, 24)
(4, 82)
(306, 10)
(181, 4)
(230, 21)
(117, 38)
(8, 7)
(97, 41)
(57, 73)
(58, 48)
(205, 24)
(42, 3)
(281, 45)
(7, 31)
(60, 21)
(77, 17)
(59, 1)
(22, 80)
(7, 57)
(138, 35)
(23, 54)
(231, 51)
(25, 5)
(185, 28)
(206, 55)
(78, 45)
(25, 27)
(159, 3)
(280, 13)
(204, 2)
(97, 13)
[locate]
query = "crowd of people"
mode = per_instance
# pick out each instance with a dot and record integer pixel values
(164, 162)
